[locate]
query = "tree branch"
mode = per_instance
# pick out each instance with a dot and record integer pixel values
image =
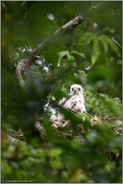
(23, 65)
(64, 29)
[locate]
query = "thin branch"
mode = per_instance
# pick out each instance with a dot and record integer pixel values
(116, 42)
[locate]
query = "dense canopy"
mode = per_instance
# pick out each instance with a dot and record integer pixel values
(88, 54)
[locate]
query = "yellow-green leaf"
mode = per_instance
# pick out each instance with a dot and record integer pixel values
(78, 53)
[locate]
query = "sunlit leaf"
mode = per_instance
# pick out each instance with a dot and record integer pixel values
(63, 54)
(78, 53)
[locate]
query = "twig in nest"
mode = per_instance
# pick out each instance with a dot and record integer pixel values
(64, 135)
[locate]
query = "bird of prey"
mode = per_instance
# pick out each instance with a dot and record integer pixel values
(74, 102)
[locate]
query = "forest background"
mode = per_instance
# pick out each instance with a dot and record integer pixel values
(89, 55)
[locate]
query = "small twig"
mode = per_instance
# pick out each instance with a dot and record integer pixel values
(64, 135)
(116, 42)
(88, 114)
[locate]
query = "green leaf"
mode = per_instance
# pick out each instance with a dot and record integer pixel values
(112, 45)
(96, 51)
(62, 54)
(66, 53)
(102, 40)
(78, 53)
(70, 57)
(86, 38)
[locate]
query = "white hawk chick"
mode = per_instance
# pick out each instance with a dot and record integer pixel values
(75, 101)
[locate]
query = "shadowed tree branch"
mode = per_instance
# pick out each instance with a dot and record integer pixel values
(64, 29)
(26, 63)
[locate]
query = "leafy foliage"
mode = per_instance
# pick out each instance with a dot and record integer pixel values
(90, 55)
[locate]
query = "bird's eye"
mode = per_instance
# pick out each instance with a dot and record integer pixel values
(79, 89)
(72, 89)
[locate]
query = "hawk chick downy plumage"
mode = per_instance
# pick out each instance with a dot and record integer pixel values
(75, 101)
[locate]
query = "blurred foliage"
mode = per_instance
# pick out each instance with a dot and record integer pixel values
(89, 55)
